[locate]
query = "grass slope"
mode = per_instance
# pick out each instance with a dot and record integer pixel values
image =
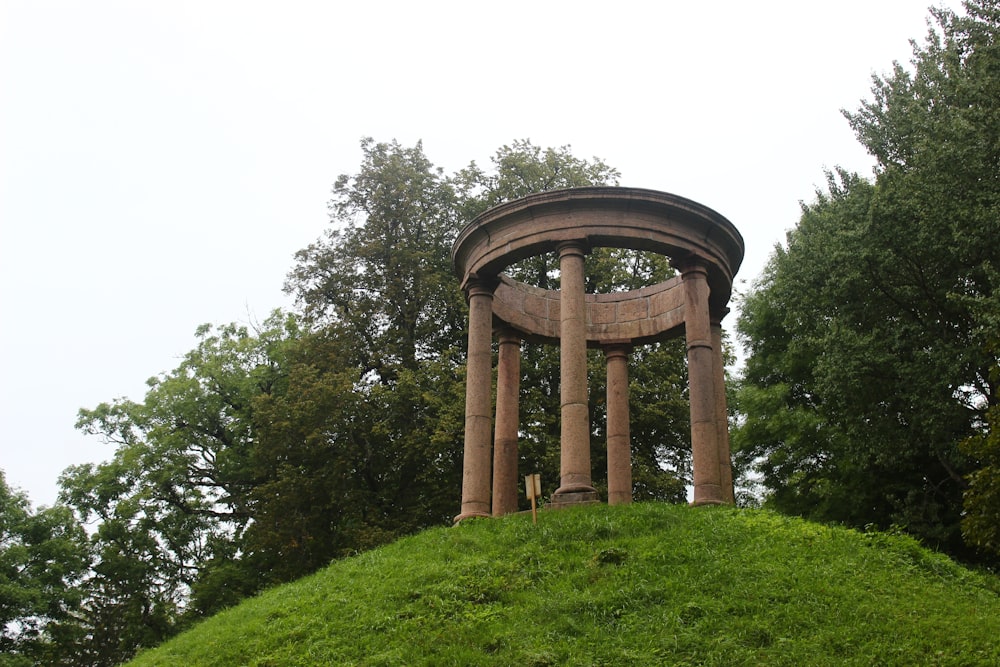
(646, 584)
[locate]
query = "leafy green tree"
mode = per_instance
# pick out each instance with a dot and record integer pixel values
(868, 357)
(379, 286)
(792, 326)
(43, 557)
(981, 522)
(349, 464)
(521, 169)
(381, 274)
(174, 500)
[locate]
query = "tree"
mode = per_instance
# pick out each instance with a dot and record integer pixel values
(811, 314)
(347, 463)
(521, 169)
(868, 357)
(381, 275)
(174, 501)
(382, 278)
(380, 282)
(43, 557)
(981, 520)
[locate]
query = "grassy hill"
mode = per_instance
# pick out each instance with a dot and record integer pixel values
(646, 584)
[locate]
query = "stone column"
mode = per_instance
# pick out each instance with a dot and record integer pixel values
(721, 411)
(619, 440)
(505, 435)
(701, 383)
(478, 420)
(574, 442)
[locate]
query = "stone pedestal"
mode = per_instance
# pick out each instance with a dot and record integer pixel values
(571, 499)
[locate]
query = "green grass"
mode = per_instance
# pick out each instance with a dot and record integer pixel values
(646, 584)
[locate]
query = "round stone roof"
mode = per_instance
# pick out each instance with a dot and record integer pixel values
(640, 219)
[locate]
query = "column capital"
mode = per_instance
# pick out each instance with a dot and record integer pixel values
(508, 335)
(476, 285)
(690, 264)
(575, 247)
(617, 349)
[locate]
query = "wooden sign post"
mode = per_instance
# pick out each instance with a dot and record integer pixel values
(533, 487)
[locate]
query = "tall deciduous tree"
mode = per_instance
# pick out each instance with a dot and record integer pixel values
(981, 521)
(869, 361)
(175, 499)
(381, 274)
(43, 558)
(379, 285)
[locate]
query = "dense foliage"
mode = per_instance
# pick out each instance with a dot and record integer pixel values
(981, 521)
(869, 347)
(43, 559)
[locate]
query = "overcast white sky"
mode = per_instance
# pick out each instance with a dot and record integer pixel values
(160, 162)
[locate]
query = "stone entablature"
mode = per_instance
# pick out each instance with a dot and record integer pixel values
(608, 217)
(702, 245)
(640, 316)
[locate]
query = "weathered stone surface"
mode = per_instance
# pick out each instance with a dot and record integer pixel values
(572, 499)
(722, 413)
(703, 245)
(633, 309)
(619, 440)
(478, 421)
(574, 437)
(505, 477)
(650, 314)
(636, 218)
(602, 313)
(701, 385)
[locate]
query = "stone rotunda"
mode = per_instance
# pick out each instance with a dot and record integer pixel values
(704, 247)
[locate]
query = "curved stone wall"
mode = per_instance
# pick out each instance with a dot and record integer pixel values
(640, 316)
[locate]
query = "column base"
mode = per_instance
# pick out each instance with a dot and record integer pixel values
(561, 499)
(707, 494)
(701, 502)
(471, 515)
(619, 498)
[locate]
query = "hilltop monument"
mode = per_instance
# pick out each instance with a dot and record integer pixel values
(704, 247)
